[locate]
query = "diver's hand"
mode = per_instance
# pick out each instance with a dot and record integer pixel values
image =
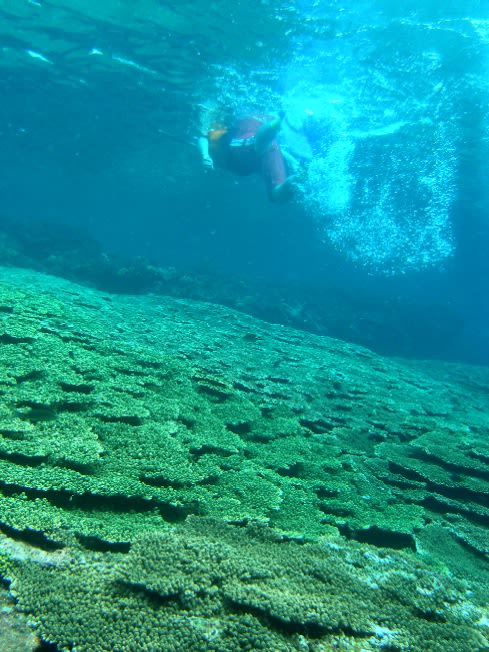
(291, 188)
(208, 163)
(300, 173)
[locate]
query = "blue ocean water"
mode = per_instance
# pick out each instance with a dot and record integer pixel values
(103, 103)
(179, 476)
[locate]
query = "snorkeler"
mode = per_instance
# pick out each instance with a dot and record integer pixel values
(248, 147)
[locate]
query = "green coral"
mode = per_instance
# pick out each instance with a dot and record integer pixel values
(128, 416)
(205, 586)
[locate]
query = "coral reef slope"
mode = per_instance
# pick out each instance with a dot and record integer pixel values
(176, 475)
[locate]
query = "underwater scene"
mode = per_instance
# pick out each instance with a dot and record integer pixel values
(244, 326)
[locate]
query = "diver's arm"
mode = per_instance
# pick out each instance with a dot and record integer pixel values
(203, 144)
(266, 134)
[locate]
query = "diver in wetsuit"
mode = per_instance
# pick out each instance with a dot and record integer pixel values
(247, 147)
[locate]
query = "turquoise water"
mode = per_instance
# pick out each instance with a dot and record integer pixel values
(103, 103)
(225, 424)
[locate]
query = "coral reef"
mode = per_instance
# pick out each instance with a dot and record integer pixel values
(205, 586)
(177, 475)
(386, 320)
